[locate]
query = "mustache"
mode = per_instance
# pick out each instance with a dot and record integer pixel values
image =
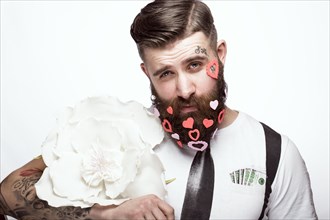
(179, 103)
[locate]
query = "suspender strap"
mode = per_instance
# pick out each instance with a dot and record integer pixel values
(273, 153)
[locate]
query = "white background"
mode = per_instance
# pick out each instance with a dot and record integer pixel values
(55, 53)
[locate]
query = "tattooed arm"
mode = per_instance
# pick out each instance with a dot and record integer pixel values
(18, 196)
(18, 199)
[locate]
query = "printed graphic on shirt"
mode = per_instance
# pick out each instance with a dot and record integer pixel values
(248, 177)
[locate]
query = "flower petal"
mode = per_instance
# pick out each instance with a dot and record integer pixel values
(102, 164)
(44, 190)
(90, 131)
(130, 163)
(150, 178)
(110, 108)
(66, 177)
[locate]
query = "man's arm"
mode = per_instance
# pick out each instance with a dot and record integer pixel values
(18, 199)
(18, 196)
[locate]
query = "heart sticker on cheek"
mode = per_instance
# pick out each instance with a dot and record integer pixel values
(170, 110)
(194, 134)
(188, 123)
(167, 126)
(198, 145)
(212, 69)
(208, 122)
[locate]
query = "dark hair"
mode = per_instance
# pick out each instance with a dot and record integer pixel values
(164, 21)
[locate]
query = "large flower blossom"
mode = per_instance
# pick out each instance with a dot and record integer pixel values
(101, 151)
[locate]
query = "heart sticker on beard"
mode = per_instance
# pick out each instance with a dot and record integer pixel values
(167, 126)
(170, 110)
(179, 143)
(188, 123)
(175, 136)
(197, 145)
(214, 104)
(194, 134)
(156, 112)
(212, 69)
(208, 122)
(221, 116)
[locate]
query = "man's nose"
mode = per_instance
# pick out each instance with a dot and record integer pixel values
(185, 86)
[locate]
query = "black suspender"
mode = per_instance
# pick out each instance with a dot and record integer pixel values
(273, 153)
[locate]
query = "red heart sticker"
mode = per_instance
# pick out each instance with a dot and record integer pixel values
(220, 116)
(194, 134)
(188, 123)
(212, 69)
(208, 122)
(179, 143)
(167, 126)
(170, 110)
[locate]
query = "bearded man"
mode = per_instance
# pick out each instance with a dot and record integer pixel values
(217, 156)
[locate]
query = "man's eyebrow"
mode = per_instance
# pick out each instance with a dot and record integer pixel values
(158, 72)
(194, 58)
(186, 61)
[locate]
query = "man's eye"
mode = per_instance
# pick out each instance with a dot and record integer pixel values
(193, 65)
(164, 74)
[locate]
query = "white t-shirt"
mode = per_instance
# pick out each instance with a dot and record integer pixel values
(239, 156)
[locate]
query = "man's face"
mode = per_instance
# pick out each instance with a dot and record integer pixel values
(184, 81)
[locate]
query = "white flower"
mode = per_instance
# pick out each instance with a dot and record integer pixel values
(101, 152)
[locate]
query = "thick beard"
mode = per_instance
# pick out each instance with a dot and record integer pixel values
(204, 111)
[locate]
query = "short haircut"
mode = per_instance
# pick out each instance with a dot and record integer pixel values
(163, 22)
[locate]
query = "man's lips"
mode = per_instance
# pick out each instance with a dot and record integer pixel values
(187, 109)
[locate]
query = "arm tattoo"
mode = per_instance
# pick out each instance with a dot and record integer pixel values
(201, 50)
(4, 208)
(27, 205)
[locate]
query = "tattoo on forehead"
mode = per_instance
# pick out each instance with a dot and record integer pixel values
(202, 50)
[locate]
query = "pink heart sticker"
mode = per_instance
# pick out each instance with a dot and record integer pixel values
(212, 69)
(188, 123)
(156, 112)
(194, 134)
(175, 136)
(170, 110)
(167, 126)
(197, 145)
(214, 104)
(208, 122)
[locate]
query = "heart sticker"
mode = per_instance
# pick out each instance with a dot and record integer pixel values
(208, 122)
(170, 110)
(179, 143)
(156, 112)
(197, 145)
(194, 134)
(220, 116)
(175, 136)
(212, 69)
(167, 126)
(188, 123)
(214, 104)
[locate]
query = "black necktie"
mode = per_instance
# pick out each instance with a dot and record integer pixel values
(199, 192)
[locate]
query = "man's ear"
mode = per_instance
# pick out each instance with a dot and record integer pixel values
(144, 69)
(222, 50)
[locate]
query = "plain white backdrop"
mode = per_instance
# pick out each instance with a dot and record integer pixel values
(55, 53)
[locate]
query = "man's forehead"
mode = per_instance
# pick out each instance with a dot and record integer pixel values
(179, 50)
